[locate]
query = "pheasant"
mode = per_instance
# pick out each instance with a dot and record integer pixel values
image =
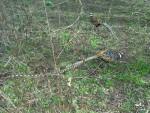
(94, 20)
(110, 55)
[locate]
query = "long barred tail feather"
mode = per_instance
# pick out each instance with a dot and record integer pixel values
(106, 54)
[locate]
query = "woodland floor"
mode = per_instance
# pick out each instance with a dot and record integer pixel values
(34, 36)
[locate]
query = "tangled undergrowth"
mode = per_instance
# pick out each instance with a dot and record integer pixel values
(40, 37)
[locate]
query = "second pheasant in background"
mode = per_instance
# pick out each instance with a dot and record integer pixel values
(94, 20)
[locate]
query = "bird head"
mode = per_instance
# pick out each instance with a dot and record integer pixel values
(94, 20)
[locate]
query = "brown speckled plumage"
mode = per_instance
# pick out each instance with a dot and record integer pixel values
(94, 20)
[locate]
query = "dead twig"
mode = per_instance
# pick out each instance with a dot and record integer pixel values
(69, 26)
(49, 32)
(5, 97)
(77, 19)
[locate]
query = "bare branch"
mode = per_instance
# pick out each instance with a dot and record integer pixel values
(77, 19)
(51, 39)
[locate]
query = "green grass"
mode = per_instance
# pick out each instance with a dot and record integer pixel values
(95, 86)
